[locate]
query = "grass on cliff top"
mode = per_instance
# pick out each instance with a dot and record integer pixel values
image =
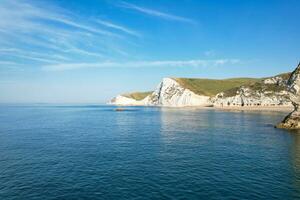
(257, 86)
(137, 95)
(285, 76)
(211, 87)
(260, 86)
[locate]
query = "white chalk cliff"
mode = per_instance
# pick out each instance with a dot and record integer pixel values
(171, 93)
(168, 93)
(124, 101)
(267, 92)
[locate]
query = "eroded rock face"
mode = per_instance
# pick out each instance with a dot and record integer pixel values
(269, 92)
(170, 93)
(292, 121)
(248, 97)
(275, 80)
(124, 101)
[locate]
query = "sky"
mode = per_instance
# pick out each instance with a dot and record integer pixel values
(88, 51)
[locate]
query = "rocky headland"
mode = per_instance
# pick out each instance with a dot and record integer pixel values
(292, 121)
(250, 93)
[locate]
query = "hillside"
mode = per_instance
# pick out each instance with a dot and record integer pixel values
(211, 87)
(137, 95)
(261, 86)
(218, 92)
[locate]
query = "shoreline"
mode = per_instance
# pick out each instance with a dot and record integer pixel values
(224, 108)
(256, 108)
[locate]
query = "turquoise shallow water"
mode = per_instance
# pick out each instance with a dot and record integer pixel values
(94, 152)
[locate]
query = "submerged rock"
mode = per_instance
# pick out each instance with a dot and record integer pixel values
(292, 121)
(120, 109)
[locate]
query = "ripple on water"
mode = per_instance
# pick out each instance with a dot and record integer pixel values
(81, 152)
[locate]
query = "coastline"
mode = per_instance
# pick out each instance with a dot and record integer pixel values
(224, 108)
(256, 108)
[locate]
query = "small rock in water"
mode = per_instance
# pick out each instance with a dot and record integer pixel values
(120, 109)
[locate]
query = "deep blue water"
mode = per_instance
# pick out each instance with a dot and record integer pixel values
(94, 152)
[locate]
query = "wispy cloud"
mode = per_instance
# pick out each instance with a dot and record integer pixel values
(117, 27)
(32, 55)
(28, 17)
(36, 58)
(141, 64)
(44, 33)
(7, 63)
(156, 13)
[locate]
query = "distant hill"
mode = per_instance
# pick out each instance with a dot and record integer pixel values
(261, 86)
(211, 87)
(229, 87)
(137, 95)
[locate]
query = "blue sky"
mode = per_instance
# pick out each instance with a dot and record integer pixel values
(84, 51)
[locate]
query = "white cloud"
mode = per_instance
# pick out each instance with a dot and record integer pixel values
(84, 27)
(31, 54)
(156, 13)
(117, 27)
(52, 29)
(140, 64)
(36, 58)
(84, 52)
(7, 63)
(27, 17)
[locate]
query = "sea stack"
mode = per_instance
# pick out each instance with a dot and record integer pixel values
(292, 121)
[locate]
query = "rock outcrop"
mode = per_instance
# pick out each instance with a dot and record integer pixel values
(125, 101)
(267, 92)
(292, 121)
(171, 92)
(168, 93)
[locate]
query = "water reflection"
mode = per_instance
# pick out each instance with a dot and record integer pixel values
(240, 149)
(201, 120)
(146, 152)
(180, 119)
(295, 156)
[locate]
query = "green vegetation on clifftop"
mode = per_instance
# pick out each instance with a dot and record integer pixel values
(260, 86)
(211, 87)
(137, 95)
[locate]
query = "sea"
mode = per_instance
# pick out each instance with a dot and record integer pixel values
(76, 151)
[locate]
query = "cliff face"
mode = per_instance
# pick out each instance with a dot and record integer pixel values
(125, 101)
(268, 92)
(171, 93)
(294, 81)
(168, 93)
(292, 121)
(260, 92)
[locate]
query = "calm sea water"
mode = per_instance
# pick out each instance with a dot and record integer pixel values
(94, 152)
